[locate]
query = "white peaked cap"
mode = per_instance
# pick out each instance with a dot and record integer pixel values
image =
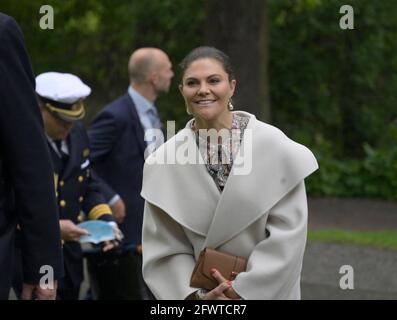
(61, 87)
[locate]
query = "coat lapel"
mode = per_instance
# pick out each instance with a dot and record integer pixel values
(278, 165)
(175, 187)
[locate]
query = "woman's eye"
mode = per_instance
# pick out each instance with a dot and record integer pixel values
(190, 83)
(214, 80)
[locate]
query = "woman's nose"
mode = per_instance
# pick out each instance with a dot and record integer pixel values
(203, 90)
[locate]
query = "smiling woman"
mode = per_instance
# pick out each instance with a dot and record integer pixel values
(207, 88)
(260, 214)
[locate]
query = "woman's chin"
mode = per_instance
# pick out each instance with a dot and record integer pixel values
(206, 114)
(209, 113)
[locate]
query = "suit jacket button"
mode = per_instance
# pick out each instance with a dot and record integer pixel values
(80, 217)
(81, 179)
(61, 183)
(62, 203)
(81, 199)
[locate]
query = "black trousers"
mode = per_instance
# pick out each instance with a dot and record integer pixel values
(117, 276)
(66, 289)
(4, 293)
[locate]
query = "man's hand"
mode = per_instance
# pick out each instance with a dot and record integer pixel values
(118, 210)
(117, 232)
(71, 232)
(109, 245)
(40, 293)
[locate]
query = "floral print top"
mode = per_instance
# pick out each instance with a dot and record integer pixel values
(218, 150)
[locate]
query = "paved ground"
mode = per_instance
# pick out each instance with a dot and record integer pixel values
(352, 214)
(374, 270)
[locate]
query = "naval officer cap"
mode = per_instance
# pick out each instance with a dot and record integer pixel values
(62, 94)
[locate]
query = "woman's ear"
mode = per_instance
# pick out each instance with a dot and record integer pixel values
(180, 88)
(233, 85)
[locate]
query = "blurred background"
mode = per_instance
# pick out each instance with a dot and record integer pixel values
(332, 90)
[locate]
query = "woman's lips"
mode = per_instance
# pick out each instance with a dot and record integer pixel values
(205, 102)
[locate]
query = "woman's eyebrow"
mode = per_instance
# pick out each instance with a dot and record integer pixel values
(210, 76)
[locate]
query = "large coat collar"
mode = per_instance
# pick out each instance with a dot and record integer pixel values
(188, 194)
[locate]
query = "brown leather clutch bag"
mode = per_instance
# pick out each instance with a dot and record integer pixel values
(228, 265)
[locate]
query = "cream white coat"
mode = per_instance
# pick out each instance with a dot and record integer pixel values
(261, 215)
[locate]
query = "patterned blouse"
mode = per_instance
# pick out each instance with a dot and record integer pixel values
(218, 157)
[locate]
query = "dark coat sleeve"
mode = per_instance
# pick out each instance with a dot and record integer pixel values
(26, 157)
(99, 184)
(103, 134)
(94, 201)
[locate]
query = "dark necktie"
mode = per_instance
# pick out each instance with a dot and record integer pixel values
(64, 156)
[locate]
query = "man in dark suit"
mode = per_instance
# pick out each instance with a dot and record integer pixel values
(118, 150)
(27, 194)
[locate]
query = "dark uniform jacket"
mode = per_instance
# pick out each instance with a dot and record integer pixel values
(79, 195)
(27, 192)
(117, 151)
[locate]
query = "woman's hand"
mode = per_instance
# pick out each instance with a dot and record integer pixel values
(229, 292)
(218, 293)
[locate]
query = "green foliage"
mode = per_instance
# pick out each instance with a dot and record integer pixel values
(336, 91)
(334, 86)
(94, 39)
(375, 176)
(376, 239)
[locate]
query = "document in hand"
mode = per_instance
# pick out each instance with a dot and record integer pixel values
(99, 231)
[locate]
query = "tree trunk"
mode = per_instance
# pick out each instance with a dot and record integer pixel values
(240, 29)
